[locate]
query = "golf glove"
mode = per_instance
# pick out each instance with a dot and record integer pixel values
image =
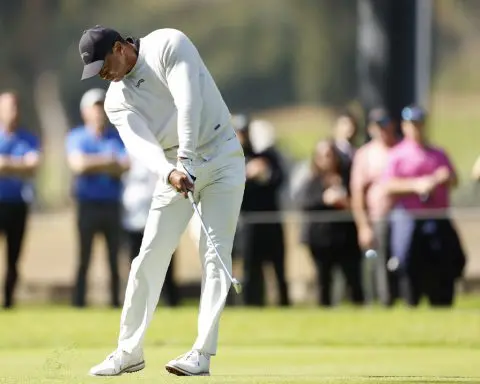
(186, 166)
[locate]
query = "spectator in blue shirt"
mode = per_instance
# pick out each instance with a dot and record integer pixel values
(98, 159)
(19, 159)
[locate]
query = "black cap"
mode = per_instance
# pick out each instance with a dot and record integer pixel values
(379, 116)
(94, 46)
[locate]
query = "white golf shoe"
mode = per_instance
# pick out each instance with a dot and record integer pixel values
(193, 363)
(119, 362)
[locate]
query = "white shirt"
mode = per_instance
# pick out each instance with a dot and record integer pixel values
(168, 106)
(139, 185)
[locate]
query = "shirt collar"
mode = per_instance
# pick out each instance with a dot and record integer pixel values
(140, 55)
(414, 144)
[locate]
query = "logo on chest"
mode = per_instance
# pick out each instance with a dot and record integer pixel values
(139, 82)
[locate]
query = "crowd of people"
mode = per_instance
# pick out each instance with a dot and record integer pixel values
(372, 212)
(377, 213)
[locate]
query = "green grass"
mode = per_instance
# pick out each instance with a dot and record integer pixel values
(301, 345)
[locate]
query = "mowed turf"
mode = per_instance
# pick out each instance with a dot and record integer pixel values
(300, 345)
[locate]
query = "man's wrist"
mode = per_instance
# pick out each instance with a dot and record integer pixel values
(167, 173)
(187, 167)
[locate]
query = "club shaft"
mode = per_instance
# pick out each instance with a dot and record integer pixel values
(205, 230)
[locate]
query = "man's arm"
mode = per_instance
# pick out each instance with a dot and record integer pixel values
(140, 141)
(395, 185)
(81, 163)
(358, 189)
(446, 174)
(24, 166)
(122, 161)
(404, 186)
(119, 167)
(182, 63)
(277, 174)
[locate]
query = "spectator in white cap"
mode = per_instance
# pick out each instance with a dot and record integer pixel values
(261, 242)
(97, 157)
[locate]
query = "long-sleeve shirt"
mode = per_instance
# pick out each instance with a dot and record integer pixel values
(264, 196)
(139, 186)
(168, 106)
(325, 233)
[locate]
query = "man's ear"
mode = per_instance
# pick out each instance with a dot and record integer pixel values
(117, 47)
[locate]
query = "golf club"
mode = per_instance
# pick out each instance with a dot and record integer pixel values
(236, 284)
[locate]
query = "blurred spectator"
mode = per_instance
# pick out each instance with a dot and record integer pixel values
(261, 242)
(98, 159)
(476, 170)
(19, 159)
(139, 185)
(370, 203)
(344, 131)
(427, 250)
(332, 242)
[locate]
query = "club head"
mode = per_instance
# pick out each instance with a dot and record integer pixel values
(237, 286)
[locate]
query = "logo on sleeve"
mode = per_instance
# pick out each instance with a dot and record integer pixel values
(139, 82)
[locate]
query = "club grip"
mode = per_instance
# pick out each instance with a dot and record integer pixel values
(190, 197)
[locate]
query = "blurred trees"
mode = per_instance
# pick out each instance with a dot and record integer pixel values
(262, 53)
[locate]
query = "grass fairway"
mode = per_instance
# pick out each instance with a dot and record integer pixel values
(301, 345)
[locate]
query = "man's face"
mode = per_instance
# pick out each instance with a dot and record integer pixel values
(413, 129)
(9, 110)
(384, 133)
(115, 66)
(94, 116)
(324, 157)
(345, 128)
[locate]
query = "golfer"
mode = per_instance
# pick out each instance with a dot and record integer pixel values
(171, 117)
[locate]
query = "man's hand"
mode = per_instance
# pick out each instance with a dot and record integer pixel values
(366, 237)
(334, 196)
(441, 175)
(181, 182)
(258, 169)
(425, 185)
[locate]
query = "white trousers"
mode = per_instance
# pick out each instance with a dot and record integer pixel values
(219, 191)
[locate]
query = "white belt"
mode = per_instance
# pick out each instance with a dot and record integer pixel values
(171, 153)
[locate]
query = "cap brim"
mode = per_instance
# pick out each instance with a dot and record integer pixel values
(92, 69)
(415, 119)
(382, 123)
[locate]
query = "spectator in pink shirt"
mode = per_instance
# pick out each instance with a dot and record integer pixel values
(370, 204)
(419, 177)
